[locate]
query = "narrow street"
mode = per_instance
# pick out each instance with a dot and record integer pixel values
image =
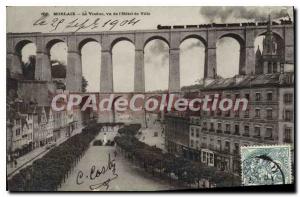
(127, 177)
(35, 154)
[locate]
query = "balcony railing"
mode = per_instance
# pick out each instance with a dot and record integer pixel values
(236, 133)
(268, 138)
(257, 136)
(269, 118)
(246, 135)
(227, 132)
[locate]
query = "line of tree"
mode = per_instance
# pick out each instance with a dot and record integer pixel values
(48, 172)
(167, 165)
(130, 130)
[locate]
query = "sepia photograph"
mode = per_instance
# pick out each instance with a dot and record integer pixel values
(142, 98)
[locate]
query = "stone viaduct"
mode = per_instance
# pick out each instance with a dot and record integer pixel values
(173, 37)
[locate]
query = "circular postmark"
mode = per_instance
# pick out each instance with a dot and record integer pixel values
(262, 170)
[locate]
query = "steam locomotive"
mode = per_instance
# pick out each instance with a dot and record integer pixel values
(282, 22)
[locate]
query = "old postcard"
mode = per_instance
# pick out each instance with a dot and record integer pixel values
(150, 99)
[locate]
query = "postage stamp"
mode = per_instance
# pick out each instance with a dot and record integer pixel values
(150, 98)
(266, 165)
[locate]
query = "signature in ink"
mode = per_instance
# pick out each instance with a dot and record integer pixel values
(97, 173)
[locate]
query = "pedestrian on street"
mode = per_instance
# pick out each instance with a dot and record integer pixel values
(16, 163)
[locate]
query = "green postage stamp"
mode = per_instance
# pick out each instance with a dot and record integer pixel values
(266, 165)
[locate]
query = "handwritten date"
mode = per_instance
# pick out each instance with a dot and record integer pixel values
(77, 24)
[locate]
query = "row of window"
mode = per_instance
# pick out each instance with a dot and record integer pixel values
(236, 131)
(268, 135)
(28, 136)
(273, 67)
(18, 130)
(287, 114)
(218, 147)
(287, 98)
(20, 142)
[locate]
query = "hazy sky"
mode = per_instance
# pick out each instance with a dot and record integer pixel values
(156, 51)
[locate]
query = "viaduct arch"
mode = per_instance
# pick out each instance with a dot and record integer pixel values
(245, 35)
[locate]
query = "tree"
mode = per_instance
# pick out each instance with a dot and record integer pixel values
(28, 68)
(60, 85)
(84, 84)
(58, 69)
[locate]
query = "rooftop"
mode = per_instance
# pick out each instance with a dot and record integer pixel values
(246, 81)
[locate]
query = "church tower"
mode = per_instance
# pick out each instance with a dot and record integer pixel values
(271, 58)
(258, 62)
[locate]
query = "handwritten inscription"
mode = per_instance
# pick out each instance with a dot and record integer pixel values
(76, 24)
(97, 174)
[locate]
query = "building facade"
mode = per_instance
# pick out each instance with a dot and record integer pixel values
(177, 133)
(215, 136)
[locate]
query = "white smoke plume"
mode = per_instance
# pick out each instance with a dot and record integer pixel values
(241, 14)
